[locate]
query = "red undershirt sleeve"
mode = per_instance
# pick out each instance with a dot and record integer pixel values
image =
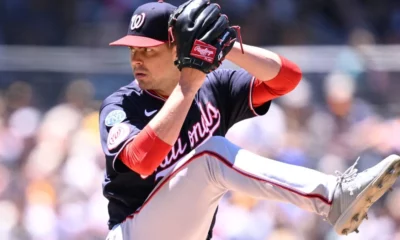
(145, 153)
(287, 79)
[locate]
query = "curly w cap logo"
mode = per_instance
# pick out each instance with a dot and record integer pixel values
(137, 21)
(203, 51)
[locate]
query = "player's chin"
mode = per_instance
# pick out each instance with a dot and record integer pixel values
(145, 85)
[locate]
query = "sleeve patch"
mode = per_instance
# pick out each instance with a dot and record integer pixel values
(117, 135)
(114, 117)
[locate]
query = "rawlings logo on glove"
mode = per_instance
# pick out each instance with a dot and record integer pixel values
(203, 51)
(202, 35)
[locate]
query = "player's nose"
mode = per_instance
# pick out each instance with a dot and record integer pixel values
(136, 59)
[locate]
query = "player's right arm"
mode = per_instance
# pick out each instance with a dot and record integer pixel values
(149, 148)
(168, 122)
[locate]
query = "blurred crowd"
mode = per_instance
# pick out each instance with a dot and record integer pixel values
(52, 166)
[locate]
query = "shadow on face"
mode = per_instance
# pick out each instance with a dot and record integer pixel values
(154, 69)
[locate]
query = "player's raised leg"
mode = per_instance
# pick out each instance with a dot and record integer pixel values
(343, 199)
(182, 205)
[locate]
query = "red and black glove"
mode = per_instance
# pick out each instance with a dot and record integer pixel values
(202, 35)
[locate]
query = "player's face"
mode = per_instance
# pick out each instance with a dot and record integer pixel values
(154, 68)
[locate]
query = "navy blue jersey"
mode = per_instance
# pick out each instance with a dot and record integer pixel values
(224, 99)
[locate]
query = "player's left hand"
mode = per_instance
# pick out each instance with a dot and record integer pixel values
(202, 35)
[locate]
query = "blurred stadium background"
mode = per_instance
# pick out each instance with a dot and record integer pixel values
(56, 67)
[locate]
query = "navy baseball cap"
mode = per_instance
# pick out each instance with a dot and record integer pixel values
(148, 26)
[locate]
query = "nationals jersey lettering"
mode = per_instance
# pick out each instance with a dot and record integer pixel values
(210, 120)
(223, 100)
(200, 132)
(177, 151)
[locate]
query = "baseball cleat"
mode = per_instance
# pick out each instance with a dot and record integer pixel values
(356, 192)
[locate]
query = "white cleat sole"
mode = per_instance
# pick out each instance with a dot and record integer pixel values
(352, 217)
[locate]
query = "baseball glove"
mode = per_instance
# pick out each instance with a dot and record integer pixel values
(202, 35)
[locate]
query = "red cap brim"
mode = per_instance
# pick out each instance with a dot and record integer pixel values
(136, 41)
